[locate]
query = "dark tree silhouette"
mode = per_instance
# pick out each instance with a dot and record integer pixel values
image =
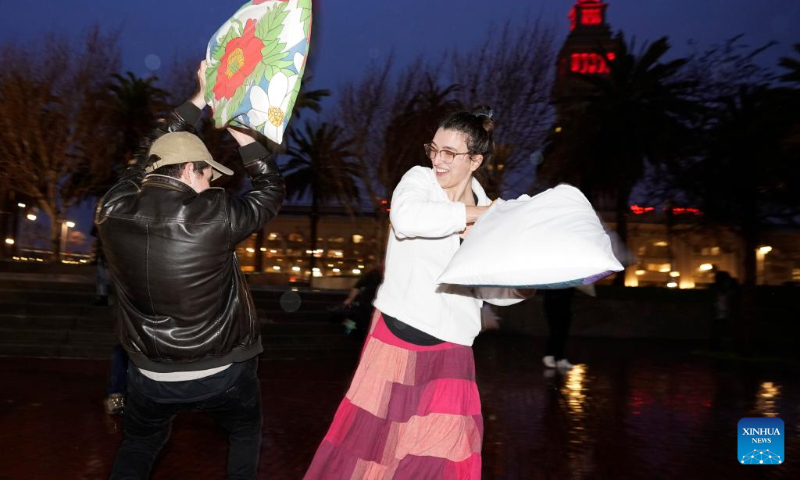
(635, 115)
(320, 166)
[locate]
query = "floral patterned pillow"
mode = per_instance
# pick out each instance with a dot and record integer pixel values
(255, 64)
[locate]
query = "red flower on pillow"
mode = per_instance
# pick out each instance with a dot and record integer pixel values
(240, 59)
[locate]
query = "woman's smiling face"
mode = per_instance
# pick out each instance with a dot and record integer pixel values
(459, 172)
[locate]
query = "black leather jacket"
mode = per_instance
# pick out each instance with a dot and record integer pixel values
(183, 302)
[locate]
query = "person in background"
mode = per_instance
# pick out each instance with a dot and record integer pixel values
(413, 410)
(114, 402)
(557, 306)
(358, 304)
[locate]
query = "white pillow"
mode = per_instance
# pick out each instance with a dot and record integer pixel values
(553, 240)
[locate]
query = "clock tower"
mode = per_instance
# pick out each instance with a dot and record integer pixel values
(588, 49)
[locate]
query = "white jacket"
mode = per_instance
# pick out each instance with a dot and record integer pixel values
(425, 236)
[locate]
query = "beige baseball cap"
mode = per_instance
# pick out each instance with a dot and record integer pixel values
(181, 147)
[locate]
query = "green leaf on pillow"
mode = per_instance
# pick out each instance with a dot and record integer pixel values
(219, 52)
(211, 80)
(237, 99)
(271, 24)
(305, 17)
(258, 72)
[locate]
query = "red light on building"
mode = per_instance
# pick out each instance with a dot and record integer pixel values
(589, 13)
(591, 16)
(588, 63)
(571, 19)
(636, 209)
(686, 211)
(641, 210)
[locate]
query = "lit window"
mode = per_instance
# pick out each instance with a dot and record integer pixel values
(588, 63)
(357, 238)
(276, 267)
(661, 243)
(295, 269)
(356, 271)
(336, 270)
(591, 16)
(250, 250)
(659, 267)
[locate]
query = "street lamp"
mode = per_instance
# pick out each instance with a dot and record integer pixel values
(65, 225)
(761, 256)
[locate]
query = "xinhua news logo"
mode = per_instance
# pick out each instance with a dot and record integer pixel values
(761, 441)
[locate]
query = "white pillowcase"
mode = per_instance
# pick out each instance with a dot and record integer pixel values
(552, 240)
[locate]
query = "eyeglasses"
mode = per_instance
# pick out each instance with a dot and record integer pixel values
(448, 157)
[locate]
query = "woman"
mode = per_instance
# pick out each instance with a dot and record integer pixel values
(413, 410)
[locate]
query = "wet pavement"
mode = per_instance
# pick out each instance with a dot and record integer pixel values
(629, 409)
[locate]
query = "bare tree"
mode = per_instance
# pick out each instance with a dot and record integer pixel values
(56, 130)
(389, 115)
(512, 72)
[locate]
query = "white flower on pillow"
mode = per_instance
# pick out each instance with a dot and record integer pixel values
(270, 108)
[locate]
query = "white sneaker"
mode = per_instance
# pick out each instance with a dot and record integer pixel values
(563, 364)
(549, 361)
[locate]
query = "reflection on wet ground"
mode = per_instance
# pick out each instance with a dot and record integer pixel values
(627, 410)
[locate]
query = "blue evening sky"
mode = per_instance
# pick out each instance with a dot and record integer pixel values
(349, 33)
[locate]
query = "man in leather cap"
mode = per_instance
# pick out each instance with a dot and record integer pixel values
(186, 317)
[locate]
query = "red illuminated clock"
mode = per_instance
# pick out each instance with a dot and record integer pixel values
(590, 63)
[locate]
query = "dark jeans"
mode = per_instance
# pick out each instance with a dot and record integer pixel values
(236, 407)
(558, 311)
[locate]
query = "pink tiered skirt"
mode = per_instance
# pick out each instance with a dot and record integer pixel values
(412, 413)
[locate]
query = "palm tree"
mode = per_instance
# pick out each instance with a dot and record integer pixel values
(309, 99)
(413, 125)
(320, 165)
(747, 178)
(634, 115)
(137, 103)
(793, 65)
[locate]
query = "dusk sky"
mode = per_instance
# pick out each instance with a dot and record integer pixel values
(348, 34)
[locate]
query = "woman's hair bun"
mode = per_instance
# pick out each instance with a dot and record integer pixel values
(484, 113)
